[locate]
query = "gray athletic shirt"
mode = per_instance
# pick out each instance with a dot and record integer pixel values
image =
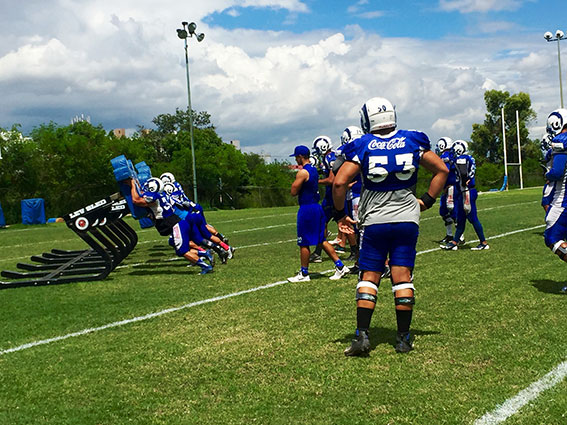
(388, 207)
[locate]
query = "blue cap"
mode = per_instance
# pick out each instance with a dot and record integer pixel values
(301, 150)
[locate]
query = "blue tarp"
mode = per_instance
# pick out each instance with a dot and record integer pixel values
(33, 211)
(2, 220)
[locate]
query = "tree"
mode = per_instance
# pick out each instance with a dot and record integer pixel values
(487, 137)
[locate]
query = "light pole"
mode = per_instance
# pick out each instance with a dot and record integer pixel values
(187, 31)
(559, 35)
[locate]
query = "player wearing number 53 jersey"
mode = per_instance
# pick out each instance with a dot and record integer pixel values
(388, 160)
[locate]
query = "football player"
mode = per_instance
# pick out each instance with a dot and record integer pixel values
(555, 233)
(323, 148)
(388, 213)
(465, 198)
(200, 234)
(445, 151)
(548, 187)
(166, 222)
(183, 202)
(310, 217)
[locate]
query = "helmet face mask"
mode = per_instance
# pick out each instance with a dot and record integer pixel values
(378, 113)
(556, 121)
(352, 132)
(322, 144)
(167, 178)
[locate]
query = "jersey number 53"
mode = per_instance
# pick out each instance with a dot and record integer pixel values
(379, 168)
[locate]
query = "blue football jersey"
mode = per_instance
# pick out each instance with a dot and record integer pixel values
(466, 170)
(309, 192)
(448, 158)
(328, 161)
(390, 162)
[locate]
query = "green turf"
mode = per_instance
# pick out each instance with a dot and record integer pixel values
(487, 324)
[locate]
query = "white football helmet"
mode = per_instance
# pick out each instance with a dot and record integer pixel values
(443, 144)
(167, 178)
(352, 132)
(322, 144)
(460, 147)
(377, 114)
(545, 144)
(556, 121)
(153, 185)
(314, 160)
(169, 188)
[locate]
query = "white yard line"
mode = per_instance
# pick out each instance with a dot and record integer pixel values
(514, 404)
(190, 305)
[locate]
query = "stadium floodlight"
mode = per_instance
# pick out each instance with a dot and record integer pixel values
(184, 33)
(559, 35)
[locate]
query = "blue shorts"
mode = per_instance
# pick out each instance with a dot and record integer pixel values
(310, 225)
(198, 227)
(181, 237)
(556, 226)
(396, 241)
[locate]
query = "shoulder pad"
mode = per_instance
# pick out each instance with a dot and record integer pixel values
(558, 146)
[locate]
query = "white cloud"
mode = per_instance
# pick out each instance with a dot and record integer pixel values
(122, 64)
(468, 6)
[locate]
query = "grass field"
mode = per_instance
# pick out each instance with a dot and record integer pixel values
(487, 325)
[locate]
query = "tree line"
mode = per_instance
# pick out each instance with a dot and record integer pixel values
(69, 166)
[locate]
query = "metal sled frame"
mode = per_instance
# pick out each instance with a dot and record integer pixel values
(101, 226)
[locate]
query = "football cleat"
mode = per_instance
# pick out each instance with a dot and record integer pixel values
(449, 246)
(446, 239)
(300, 277)
(462, 240)
(230, 253)
(351, 257)
(335, 241)
(340, 250)
(480, 247)
(315, 258)
(387, 272)
(340, 273)
(360, 345)
(223, 255)
(206, 269)
(354, 269)
(404, 342)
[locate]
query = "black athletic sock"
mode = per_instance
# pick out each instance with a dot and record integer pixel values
(318, 250)
(403, 317)
(363, 317)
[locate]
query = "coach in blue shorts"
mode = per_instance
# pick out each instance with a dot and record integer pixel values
(310, 217)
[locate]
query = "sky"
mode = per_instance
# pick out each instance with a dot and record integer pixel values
(276, 73)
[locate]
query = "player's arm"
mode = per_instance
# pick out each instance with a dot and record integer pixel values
(328, 181)
(436, 166)
(557, 170)
(345, 175)
(137, 199)
(301, 176)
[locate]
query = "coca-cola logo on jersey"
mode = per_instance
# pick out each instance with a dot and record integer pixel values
(397, 143)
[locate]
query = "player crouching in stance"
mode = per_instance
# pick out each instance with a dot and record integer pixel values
(556, 217)
(389, 211)
(153, 197)
(310, 217)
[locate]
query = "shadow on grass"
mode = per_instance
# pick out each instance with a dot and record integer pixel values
(380, 335)
(549, 286)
